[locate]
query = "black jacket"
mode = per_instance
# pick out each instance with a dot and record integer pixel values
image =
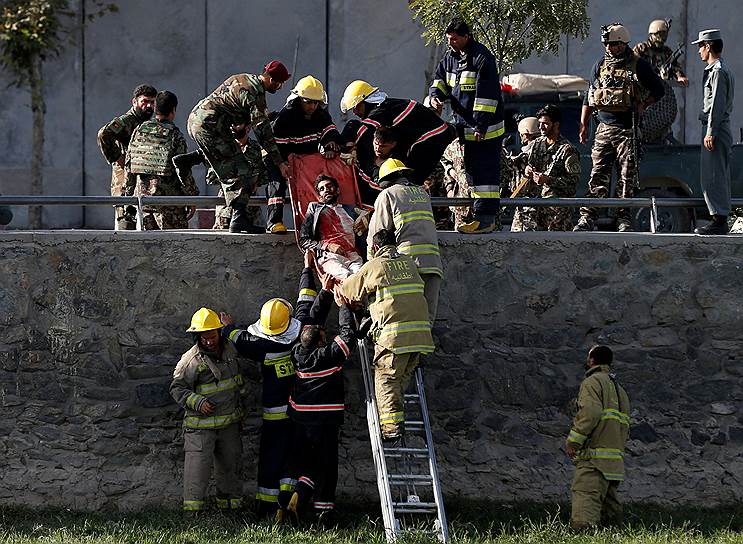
(294, 133)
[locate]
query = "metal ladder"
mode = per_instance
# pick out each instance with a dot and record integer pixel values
(407, 474)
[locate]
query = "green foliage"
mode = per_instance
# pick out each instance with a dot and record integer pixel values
(512, 29)
(34, 30)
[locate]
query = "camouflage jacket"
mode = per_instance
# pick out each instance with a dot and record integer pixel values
(560, 161)
(517, 166)
(657, 57)
(113, 137)
(242, 99)
(252, 152)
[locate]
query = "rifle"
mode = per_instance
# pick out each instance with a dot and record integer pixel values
(666, 66)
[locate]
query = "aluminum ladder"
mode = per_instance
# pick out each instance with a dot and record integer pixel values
(407, 474)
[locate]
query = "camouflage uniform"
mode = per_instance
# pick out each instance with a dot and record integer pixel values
(561, 162)
(657, 57)
(456, 185)
(525, 217)
(150, 172)
(240, 99)
(222, 214)
(113, 140)
(434, 186)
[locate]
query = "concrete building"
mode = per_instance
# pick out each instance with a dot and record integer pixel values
(190, 46)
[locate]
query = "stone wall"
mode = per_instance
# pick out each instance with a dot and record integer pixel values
(91, 325)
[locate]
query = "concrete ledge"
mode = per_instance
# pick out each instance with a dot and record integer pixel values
(93, 321)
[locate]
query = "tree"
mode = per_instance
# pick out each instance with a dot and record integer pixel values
(31, 31)
(512, 29)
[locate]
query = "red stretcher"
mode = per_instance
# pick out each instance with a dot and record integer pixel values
(305, 169)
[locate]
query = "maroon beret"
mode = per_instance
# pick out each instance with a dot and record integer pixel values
(277, 71)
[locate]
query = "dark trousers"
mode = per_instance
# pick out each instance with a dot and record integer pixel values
(425, 156)
(482, 165)
(313, 463)
(276, 192)
(272, 458)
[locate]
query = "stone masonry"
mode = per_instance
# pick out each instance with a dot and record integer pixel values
(92, 324)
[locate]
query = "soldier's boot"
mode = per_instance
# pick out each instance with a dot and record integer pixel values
(184, 162)
(239, 221)
(585, 224)
(624, 225)
(718, 226)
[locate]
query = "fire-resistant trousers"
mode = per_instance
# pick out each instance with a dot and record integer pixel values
(276, 192)
(594, 498)
(276, 436)
(221, 448)
(482, 165)
(392, 375)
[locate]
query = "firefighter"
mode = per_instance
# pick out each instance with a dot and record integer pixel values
(207, 384)
(467, 76)
(596, 443)
(405, 209)
(317, 403)
(303, 126)
(421, 135)
(269, 341)
(401, 325)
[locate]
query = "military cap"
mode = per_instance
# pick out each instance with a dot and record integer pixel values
(277, 71)
(708, 35)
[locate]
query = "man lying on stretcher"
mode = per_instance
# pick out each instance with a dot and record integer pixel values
(329, 231)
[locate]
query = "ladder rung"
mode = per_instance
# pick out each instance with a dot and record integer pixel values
(414, 507)
(413, 423)
(411, 478)
(411, 396)
(399, 452)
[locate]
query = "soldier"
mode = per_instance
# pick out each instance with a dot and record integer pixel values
(207, 384)
(401, 325)
(525, 217)
(149, 167)
(554, 169)
(614, 92)
(719, 87)
(596, 443)
(303, 126)
(113, 140)
(658, 118)
(240, 99)
(467, 76)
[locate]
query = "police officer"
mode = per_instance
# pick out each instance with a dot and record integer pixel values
(616, 82)
(113, 140)
(467, 76)
(719, 87)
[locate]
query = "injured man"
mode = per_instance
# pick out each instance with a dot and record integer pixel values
(328, 231)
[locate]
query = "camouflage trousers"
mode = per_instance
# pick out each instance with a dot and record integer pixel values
(223, 215)
(552, 219)
(125, 215)
(160, 217)
(434, 186)
(611, 146)
(236, 172)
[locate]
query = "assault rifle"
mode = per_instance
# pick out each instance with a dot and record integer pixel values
(666, 66)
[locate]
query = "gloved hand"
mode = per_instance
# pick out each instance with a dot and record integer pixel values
(361, 224)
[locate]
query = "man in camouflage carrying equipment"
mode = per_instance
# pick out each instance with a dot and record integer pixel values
(554, 170)
(614, 90)
(149, 167)
(207, 384)
(596, 443)
(113, 140)
(657, 120)
(519, 186)
(240, 99)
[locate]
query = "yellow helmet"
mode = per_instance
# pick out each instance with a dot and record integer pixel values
(205, 320)
(529, 125)
(310, 88)
(356, 92)
(275, 316)
(389, 166)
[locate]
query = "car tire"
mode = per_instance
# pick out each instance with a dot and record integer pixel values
(669, 219)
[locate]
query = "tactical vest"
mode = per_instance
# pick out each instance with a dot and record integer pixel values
(151, 148)
(616, 88)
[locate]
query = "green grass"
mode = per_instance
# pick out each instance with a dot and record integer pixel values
(470, 522)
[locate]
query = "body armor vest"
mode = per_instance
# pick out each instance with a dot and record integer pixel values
(151, 148)
(616, 88)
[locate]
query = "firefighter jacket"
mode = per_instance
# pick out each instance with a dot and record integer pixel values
(396, 302)
(318, 396)
(294, 133)
(406, 209)
(412, 122)
(114, 136)
(319, 222)
(199, 377)
(274, 354)
(601, 426)
(470, 82)
(240, 99)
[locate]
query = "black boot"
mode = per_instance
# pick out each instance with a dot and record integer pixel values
(718, 225)
(184, 162)
(239, 221)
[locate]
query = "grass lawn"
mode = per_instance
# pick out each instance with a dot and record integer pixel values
(469, 522)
